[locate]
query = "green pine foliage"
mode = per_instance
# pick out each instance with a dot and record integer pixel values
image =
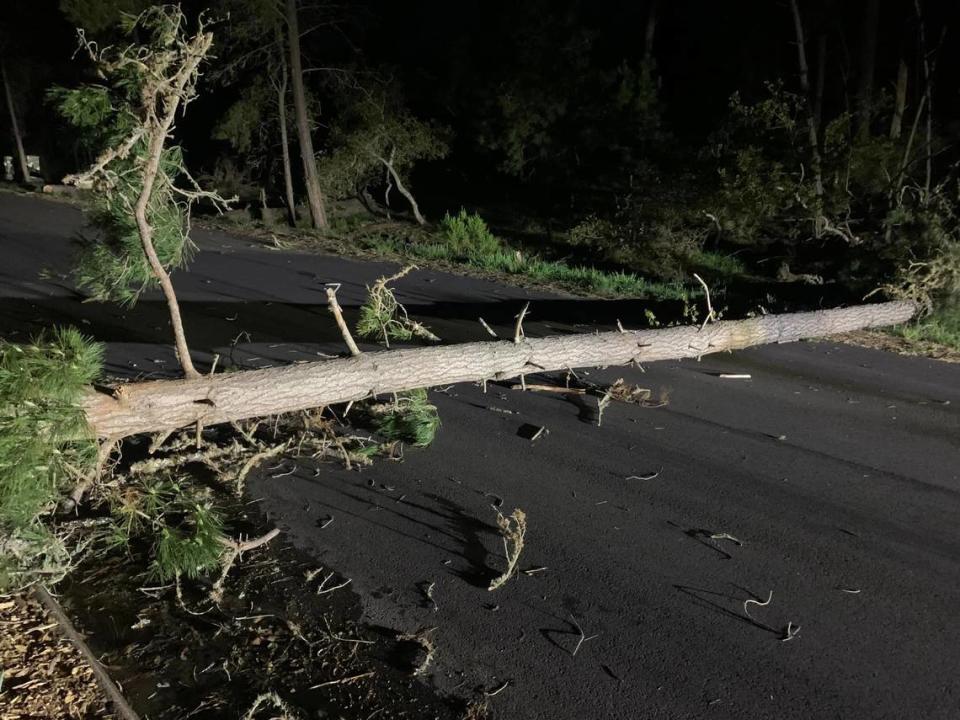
(192, 547)
(111, 263)
(467, 235)
(411, 418)
(177, 519)
(44, 440)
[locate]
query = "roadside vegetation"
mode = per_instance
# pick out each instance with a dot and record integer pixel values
(787, 191)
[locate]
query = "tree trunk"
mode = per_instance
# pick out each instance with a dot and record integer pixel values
(162, 405)
(900, 101)
(14, 125)
(401, 188)
(157, 134)
(285, 142)
(812, 129)
(821, 81)
(318, 212)
(927, 94)
(868, 61)
(650, 33)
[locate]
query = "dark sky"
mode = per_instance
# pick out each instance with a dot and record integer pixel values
(446, 53)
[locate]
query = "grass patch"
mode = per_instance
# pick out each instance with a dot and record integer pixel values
(717, 264)
(465, 240)
(941, 327)
(578, 278)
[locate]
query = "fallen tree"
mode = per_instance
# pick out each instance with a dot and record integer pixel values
(165, 405)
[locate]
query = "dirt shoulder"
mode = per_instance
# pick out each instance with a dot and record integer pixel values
(42, 674)
(879, 340)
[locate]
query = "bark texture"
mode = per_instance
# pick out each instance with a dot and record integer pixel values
(812, 129)
(15, 126)
(311, 179)
(168, 404)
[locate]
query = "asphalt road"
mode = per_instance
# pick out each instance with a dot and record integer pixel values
(835, 468)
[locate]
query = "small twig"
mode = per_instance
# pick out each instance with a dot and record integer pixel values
(583, 636)
(649, 476)
(518, 330)
(338, 316)
(711, 315)
(758, 603)
(726, 536)
(249, 465)
(120, 705)
(498, 690)
(341, 681)
(236, 549)
(488, 328)
(550, 388)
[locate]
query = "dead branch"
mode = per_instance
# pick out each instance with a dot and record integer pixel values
(120, 704)
(338, 316)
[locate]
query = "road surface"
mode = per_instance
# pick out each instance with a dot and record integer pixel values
(828, 483)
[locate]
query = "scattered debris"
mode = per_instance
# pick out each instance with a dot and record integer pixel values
(649, 476)
(758, 603)
(532, 432)
(383, 318)
(726, 536)
(513, 531)
(498, 690)
(583, 636)
(341, 681)
(423, 638)
(790, 632)
(265, 700)
(534, 570)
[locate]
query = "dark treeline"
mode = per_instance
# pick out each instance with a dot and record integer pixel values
(810, 139)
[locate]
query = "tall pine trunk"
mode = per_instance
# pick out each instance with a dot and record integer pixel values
(14, 125)
(318, 213)
(162, 405)
(812, 129)
(868, 61)
(285, 141)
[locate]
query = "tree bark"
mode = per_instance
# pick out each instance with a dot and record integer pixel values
(812, 130)
(900, 100)
(161, 405)
(14, 125)
(285, 142)
(318, 213)
(159, 128)
(868, 61)
(821, 81)
(401, 188)
(650, 32)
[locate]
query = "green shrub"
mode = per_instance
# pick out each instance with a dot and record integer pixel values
(468, 235)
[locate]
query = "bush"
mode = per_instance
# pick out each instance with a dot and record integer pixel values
(468, 236)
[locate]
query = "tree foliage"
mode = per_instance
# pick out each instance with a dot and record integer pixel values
(44, 443)
(373, 130)
(142, 84)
